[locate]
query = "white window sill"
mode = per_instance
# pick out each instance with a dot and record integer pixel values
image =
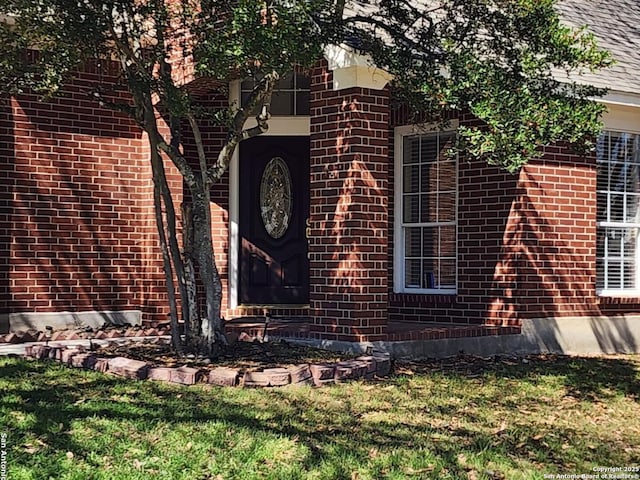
(428, 291)
(618, 293)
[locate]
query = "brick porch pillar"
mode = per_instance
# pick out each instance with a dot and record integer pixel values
(349, 200)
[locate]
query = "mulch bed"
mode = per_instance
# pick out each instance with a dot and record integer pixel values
(252, 356)
(244, 356)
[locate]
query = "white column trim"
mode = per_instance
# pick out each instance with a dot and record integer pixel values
(234, 210)
(352, 69)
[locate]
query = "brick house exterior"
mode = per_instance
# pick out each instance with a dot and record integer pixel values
(520, 257)
(76, 212)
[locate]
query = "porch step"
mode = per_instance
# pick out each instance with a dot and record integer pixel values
(405, 331)
(396, 331)
(255, 327)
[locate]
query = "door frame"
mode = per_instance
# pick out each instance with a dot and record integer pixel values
(299, 126)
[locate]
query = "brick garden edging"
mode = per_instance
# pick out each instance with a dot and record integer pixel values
(318, 374)
(62, 335)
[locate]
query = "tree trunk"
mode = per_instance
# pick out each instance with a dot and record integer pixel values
(192, 321)
(159, 184)
(212, 330)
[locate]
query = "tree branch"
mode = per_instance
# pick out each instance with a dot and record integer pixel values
(125, 108)
(393, 32)
(261, 93)
(202, 157)
(144, 104)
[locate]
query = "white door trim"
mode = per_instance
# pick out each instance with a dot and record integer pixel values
(283, 126)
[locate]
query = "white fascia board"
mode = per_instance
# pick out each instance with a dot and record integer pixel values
(352, 69)
(620, 98)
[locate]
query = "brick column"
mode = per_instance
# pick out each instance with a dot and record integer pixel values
(348, 217)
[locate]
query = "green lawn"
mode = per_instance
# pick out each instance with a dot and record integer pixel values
(511, 421)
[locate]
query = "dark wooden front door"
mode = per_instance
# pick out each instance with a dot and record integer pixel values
(274, 208)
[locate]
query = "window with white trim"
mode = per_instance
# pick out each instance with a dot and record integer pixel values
(426, 213)
(291, 96)
(618, 217)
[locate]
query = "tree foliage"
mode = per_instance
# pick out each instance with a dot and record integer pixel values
(500, 60)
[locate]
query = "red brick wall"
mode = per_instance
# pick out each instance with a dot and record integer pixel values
(547, 263)
(7, 182)
(76, 214)
(349, 198)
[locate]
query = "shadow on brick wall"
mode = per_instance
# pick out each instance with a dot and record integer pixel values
(75, 242)
(546, 271)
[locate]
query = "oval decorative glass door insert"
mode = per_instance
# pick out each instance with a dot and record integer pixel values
(275, 197)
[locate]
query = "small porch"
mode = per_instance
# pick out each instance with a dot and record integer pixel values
(396, 331)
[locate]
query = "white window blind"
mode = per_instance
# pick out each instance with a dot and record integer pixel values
(428, 223)
(618, 220)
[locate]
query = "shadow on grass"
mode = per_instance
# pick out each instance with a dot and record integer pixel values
(585, 378)
(333, 426)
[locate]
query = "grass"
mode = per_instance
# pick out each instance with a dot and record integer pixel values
(511, 421)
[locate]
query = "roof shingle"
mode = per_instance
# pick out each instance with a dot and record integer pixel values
(616, 26)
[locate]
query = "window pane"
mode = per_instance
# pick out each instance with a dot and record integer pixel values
(616, 250)
(616, 207)
(614, 276)
(447, 274)
(600, 243)
(447, 207)
(412, 274)
(282, 103)
(603, 176)
(429, 207)
(632, 178)
(303, 82)
(413, 242)
(600, 274)
(618, 201)
(613, 242)
(447, 176)
(628, 275)
(411, 150)
(632, 208)
(447, 241)
(429, 180)
(430, 242)
(291, 96)
(303, 101)
(247, 84)
(430, 273)
(285, 83)
(602, 206)
(411, 208)
(630, 241)
(411, 181)
(429, 196)
(429, 148)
